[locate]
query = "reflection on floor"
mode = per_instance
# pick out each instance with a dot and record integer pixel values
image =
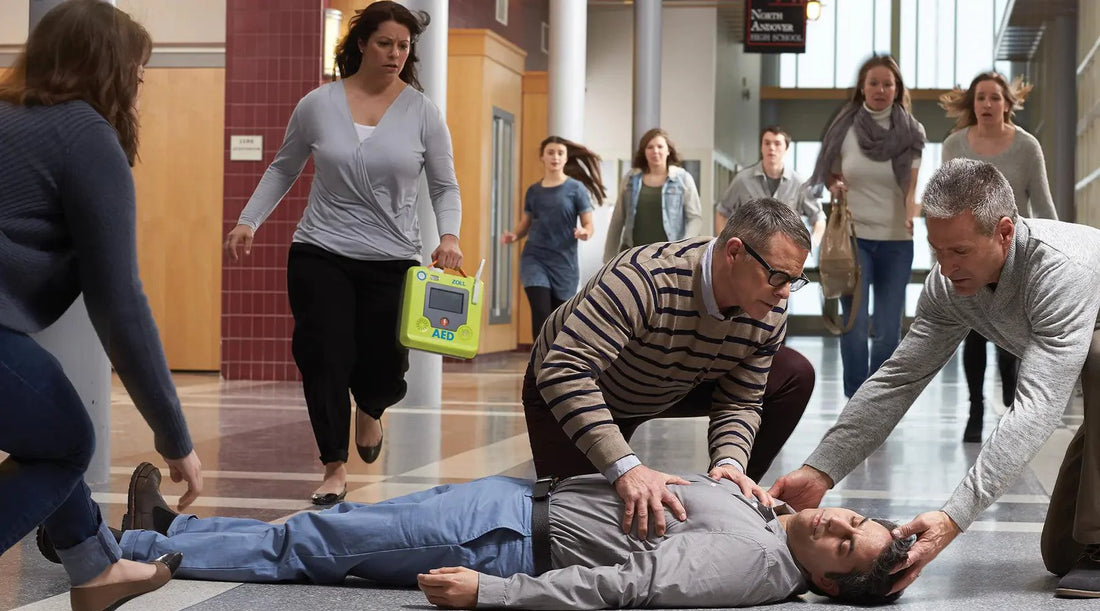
(260, 460)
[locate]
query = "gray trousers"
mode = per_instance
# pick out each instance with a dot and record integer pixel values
(1073, 520)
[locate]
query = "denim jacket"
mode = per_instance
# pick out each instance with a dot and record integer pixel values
(681, 211)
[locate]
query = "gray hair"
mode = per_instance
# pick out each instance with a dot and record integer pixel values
(757, 220)
(965, 184)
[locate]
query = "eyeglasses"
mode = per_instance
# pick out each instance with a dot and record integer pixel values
(777, 278)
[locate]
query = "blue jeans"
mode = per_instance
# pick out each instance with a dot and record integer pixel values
(49, 436)
(484, 525)
(886, 266)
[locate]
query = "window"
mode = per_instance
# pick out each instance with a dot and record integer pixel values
(847, 33)
(945, 43)
(501, 206)
(331, 37)
(942, 42)
(502, 12)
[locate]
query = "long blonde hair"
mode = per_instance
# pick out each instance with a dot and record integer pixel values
(959, 104)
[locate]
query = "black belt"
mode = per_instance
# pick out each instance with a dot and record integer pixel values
(540, 522)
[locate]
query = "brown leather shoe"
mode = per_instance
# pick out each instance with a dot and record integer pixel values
(143, 496)
(113, 595)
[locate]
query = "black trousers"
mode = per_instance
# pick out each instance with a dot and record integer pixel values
(543, 304)
(346, 313)
(790, 384)
(974, 359)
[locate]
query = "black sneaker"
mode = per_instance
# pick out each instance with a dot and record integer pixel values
(1083, 580)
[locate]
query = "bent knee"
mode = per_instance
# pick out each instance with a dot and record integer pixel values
(793, 370)
(1059, 550)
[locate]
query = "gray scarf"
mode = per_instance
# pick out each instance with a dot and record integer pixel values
(898, 143)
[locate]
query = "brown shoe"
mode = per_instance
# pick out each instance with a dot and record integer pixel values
(113, 595)
(142, 498)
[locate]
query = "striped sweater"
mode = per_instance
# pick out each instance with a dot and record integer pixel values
(638, 338)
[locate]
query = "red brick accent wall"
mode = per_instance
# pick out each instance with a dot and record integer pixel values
(272, 59)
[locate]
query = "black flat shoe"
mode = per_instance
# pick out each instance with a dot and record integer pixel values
(369, 454)
(329, 498)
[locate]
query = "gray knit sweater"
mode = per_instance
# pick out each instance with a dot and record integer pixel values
(362, 203)
(1044, 310)
(1021, 163)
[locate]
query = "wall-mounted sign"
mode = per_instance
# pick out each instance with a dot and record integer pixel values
(246, 148)
(775, 26)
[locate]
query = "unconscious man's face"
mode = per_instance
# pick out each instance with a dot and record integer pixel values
(844, 552)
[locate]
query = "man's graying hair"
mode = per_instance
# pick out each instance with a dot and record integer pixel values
(872, 587)
(757, 220)
(965, 184)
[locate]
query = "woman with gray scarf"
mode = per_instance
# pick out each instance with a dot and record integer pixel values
(872, 151)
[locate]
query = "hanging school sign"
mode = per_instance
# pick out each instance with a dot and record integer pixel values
(775, 26)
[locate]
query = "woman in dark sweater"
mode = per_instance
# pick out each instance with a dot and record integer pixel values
(68, 136)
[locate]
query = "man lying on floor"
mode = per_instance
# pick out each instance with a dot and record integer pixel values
(730, 552)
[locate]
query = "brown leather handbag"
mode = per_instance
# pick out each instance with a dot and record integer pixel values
(838, 265)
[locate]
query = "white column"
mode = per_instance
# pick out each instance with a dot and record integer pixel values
(568, 46)
(647, 67)
(1062, 34)
(73, 342)
(425, 375)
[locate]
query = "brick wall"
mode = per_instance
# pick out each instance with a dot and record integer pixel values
(272, 59)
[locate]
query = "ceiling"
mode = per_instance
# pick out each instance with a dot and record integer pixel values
(731, 13)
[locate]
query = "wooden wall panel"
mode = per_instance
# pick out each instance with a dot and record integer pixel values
(467, 122)
(504, 90)
(179, 207)
(491, 68)
(535, 126)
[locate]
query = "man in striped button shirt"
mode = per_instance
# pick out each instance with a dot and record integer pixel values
(671, 329)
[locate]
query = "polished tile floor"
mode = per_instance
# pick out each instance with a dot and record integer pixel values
(256, 444)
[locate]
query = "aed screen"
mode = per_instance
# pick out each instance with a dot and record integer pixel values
(448, 301)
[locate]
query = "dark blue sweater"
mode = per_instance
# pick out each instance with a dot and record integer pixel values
(67, 226)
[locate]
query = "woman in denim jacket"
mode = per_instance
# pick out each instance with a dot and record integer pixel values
(658, 201)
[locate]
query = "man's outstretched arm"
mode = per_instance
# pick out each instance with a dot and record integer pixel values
(689, 570)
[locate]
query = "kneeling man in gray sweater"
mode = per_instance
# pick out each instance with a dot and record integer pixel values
(1032, 287)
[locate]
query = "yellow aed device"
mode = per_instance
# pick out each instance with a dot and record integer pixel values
(441, 312)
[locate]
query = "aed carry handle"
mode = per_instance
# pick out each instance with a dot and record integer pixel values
(475, 296)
